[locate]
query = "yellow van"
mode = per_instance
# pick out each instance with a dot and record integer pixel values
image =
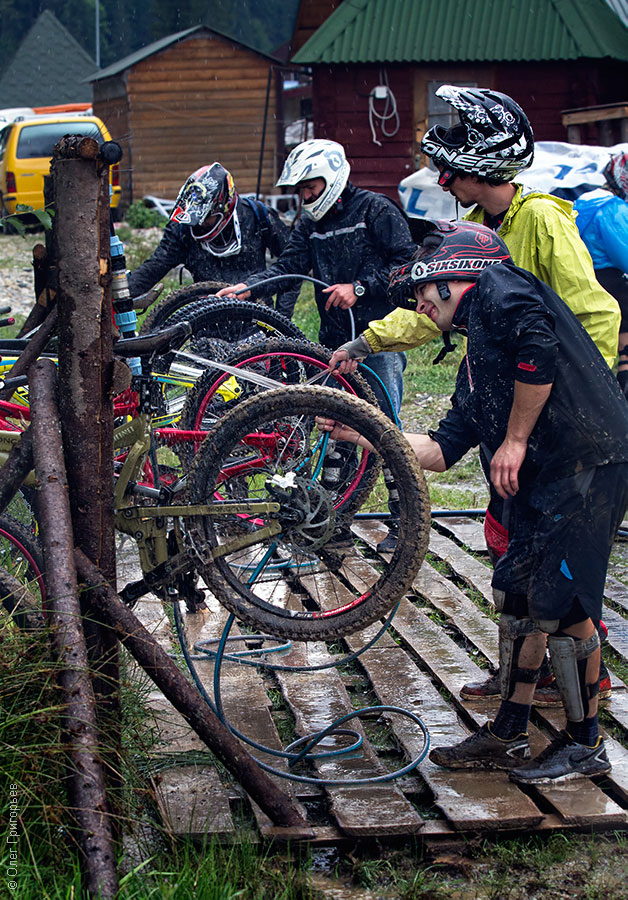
(26, 148)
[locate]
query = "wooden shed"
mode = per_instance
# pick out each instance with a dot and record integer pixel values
(187, 100)
(373, 58)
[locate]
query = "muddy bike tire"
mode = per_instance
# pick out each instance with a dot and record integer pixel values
(21, 556)
(290, 362)
(216, 327)
(162, 311)
(292, 584)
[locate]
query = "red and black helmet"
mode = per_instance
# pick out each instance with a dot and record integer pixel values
(208, 192)
(616, 174)
(451, 251)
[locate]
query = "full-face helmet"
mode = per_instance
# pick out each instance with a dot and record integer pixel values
(210, 192)
(493, 139)
(616, 174)
(317, 159)
(451, 251)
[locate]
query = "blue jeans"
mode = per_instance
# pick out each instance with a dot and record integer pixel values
(390, 368)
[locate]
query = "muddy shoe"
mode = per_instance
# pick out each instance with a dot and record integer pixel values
(563, 760)
(549, 695)
(342, 539)
(482, 690)
(483, 751)
(389, 543)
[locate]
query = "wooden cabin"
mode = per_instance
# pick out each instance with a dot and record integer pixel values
(187, 100)
(370, 58)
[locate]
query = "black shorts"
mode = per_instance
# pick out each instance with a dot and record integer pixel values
(561, 535)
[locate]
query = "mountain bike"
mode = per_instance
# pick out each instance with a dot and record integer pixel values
(253, 517)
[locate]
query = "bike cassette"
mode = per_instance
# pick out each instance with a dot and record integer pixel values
(306, 513)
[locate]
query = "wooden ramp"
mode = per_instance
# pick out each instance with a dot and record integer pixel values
(443, 635)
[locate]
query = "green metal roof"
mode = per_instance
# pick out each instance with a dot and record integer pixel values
(430, 31)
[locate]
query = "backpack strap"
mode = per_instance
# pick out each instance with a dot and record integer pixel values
(262, 218)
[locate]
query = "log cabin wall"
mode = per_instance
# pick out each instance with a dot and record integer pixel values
(198, 100)
(111, 105)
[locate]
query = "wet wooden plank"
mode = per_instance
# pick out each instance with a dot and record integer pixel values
(617, 631)
(360, 810)
(451, 666)
(193, 802)
(469, 800)
(475, 573)
(469, 532)
(616, 591)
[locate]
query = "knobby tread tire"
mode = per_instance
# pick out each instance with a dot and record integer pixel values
(356, 384)
(158, 317)
(414, 521)
(15, 592)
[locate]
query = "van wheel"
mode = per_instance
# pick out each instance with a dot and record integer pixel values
(7, 228)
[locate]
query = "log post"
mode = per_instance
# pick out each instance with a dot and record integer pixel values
(17, 466)
(86, 782)
(33, 349)
(81, 228)
(184, 697)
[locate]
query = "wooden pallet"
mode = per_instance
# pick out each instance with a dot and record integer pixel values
(438, 636)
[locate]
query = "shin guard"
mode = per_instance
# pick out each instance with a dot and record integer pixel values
(512, 634)
(569, 661)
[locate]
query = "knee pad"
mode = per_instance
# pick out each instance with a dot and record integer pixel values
(512, 633)
(569, 661)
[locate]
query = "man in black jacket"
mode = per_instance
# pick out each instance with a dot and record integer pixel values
(535, 392)
(217, 236)
(349, 238)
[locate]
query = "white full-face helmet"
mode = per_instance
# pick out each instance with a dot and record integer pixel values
(317, 159)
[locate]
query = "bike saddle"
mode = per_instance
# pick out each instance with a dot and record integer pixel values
(158, 342)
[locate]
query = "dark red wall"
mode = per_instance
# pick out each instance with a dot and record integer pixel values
(544, 90)
(341, 113)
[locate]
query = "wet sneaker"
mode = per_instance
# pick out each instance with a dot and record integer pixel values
(489, 689)
(563, 760)
(389, 543)
(483, 751)
(342, 538)
(549, 695)
(482, 690)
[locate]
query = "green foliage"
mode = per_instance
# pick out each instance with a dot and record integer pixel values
(19, 221)
(128, 25)
(138, 215)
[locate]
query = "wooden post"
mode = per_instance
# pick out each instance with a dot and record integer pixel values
(81, 248)
(33, 349)
(86, 782)
(17, 466)
(184, 697)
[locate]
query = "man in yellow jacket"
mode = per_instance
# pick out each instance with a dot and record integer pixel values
(477, 159)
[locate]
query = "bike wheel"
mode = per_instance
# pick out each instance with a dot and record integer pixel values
(279, 571)
(158, 317)
(216, 327)
(287, 362)
(22, 558)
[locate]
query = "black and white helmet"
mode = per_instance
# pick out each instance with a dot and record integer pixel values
(493, 140)
(317, 159)
(450, 251)
(616, 174)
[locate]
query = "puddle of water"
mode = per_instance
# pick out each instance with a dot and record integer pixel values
(335, 890)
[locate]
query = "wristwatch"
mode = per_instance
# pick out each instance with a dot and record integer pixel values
(358, 289)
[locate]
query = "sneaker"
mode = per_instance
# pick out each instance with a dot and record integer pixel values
(483, 751)
(489, 689)
(563, 760)
(389, 543)
(482, 690)
(549, 695)
(342, 537)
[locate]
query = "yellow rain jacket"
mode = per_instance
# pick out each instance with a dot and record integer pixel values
(541, 235)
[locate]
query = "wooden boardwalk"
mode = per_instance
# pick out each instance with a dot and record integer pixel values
(440, 638)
